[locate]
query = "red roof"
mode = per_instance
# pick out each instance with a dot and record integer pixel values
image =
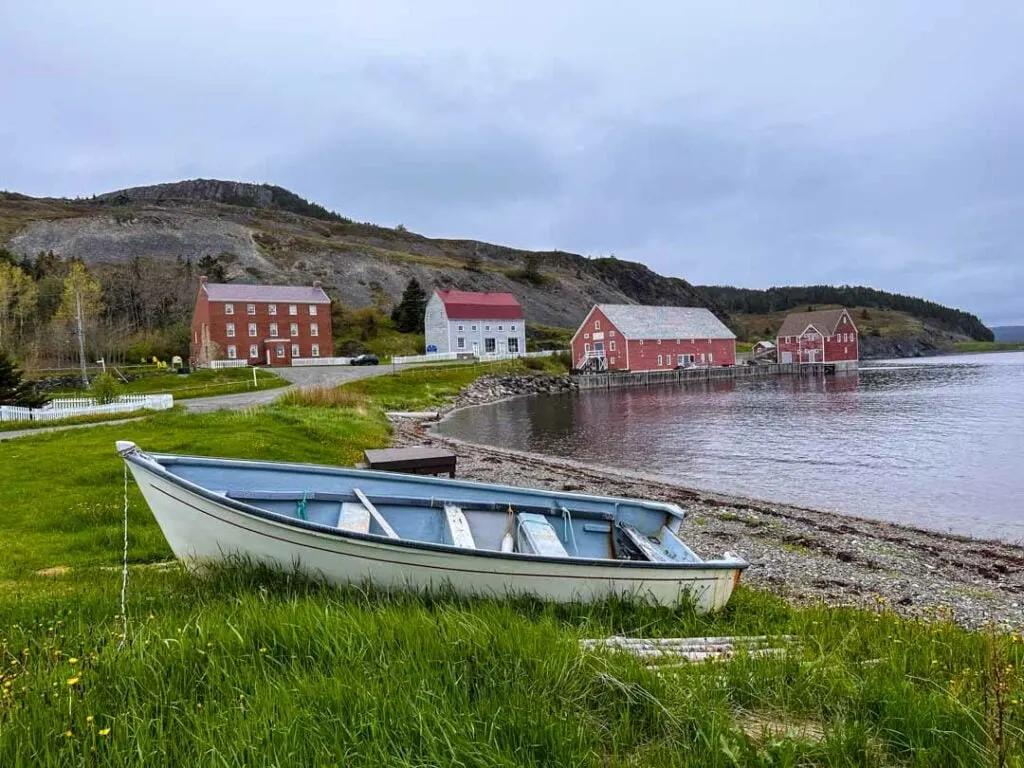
(465, 305)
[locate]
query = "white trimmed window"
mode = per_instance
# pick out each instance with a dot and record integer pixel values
(460, 343)
(230, 327)
(232, 352)
(293, 329)
(314, 329)
(272, 309)
(229, 309)
(312, 310)
(680, 359)
(501, 327)
(254, 350)
(462, 328)
(586, 335)
(490, 345)
(250, 309)
(612, 361)
(511, 327)
(253, 332)
(472, 327)
(487, 327)
(315, 350)
(586, 349)
(280, 350)
(597, 325)
(611, 346)
(611, 334)
(513, 345)
(295, 350)
(293, 309)
(660, 360)
(273, 330)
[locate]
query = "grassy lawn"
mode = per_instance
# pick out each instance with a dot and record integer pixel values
(200, 383)
(18, 426)
(245, 667)
(989, 346)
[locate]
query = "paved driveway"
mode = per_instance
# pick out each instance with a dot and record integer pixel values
(313, 376)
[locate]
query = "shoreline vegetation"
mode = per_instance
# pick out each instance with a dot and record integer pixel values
(244, 666)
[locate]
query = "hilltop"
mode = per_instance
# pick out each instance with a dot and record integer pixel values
(153, 239)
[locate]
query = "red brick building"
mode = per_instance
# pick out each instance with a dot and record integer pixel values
(628, 337)
(261, 324)
(825, 336)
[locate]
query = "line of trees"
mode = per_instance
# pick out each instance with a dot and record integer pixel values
(762, 302)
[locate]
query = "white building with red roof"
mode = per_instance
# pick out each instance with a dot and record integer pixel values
(474, 323)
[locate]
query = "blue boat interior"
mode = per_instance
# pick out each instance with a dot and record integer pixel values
(456, 513)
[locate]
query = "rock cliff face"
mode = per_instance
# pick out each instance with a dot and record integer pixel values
(265, 233)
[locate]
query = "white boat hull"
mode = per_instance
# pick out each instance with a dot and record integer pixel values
(202, 530)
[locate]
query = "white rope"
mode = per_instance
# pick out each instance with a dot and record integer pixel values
(124, 569)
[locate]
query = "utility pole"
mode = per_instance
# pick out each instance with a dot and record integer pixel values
(81, 338)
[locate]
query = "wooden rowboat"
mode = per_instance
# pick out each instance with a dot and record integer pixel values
(415, 532)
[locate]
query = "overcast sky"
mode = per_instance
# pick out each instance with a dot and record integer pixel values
(753, 144)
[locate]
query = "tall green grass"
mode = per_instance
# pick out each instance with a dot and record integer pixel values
(252, 668)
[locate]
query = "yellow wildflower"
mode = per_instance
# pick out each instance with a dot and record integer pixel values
(72, 660)
(68, 734)
(89, 718)
(104, 731)
(73, 680)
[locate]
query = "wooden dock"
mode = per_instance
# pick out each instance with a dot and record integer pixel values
(614, 380)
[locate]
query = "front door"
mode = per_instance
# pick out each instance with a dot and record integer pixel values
(476, 349)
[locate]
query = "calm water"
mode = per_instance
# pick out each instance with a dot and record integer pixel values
(936, 443)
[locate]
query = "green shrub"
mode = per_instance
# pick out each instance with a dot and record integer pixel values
(105, 389)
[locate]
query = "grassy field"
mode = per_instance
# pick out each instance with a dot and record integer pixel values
(202, 382)
(251, 668)
(18, 426)
(989, 346)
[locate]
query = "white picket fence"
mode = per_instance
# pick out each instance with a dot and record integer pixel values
(68, 407)
(303, 361)
(486, 357)
(218, 364)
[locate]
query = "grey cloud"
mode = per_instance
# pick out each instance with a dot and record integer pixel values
(744, 143)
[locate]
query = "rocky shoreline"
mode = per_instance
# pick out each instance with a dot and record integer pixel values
(804, 555)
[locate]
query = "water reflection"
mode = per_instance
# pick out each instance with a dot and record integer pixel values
(935, 442)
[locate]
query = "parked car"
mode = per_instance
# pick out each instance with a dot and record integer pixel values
(365, 360)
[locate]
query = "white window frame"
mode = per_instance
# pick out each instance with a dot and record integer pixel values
(315, 351)
(273, 330)
(462, 329)
(660, 360)
(272, 309)
(611, 345)
(229, 309)
(611, 361)
(494, 345)
(501, 327)
(232, 352)
(230, 330)
(280, 350)
(254, 330)
(597, 325)
(293, 309)
(487, 327)
(472, 327)
(312, 310)
(586, 335)
(460, 343)
(254, 351)
(250, 309)
(512, 327)
(293, 329)
(295, 350)
(314, 329)
(611, 334)
(509, 342)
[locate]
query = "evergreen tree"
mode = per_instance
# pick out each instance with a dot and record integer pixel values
(408, 313)
(212, 268)
(13, 389)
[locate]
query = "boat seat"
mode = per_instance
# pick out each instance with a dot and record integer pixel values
(458, 527)
(536, 536)
(354, 517)
(649, 549)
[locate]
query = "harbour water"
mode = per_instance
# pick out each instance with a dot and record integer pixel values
(935, 442)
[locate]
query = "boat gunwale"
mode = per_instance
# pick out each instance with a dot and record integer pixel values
(152, 463)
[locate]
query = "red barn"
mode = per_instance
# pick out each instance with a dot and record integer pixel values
(262, 324)
(630, 337)
(825, 336)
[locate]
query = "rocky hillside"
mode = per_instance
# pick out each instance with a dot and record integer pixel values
(265, 233)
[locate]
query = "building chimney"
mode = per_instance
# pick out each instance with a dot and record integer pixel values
(316, 283)
(202, 279)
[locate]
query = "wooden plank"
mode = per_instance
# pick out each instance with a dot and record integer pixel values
(384, 524)
(648, 548)
(354, 517)
(458, 527)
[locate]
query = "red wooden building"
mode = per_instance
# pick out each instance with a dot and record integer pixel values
(825, 336)
(629, 337)
(262, 324)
